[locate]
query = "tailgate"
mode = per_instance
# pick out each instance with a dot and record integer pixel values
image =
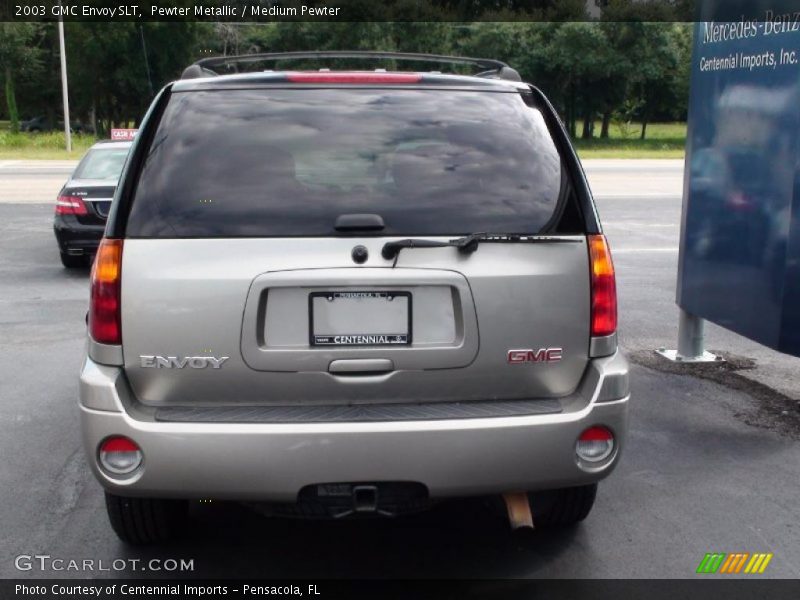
(299, 324)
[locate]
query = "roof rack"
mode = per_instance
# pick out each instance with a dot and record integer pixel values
(495, 69)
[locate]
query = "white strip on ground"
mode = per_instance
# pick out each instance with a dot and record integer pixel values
(634, 164)
(37, 165)
(667, 250)
(642, 195)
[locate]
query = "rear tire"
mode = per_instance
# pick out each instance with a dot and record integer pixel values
(564, 507)
(140, 521)
(73, 262)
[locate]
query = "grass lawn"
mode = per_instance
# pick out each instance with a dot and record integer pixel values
(41, 146)
(78, 150)
(664, 140)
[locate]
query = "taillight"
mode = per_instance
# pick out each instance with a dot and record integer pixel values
(104, 307)
(70, 205)
(604, 287)
(367, 77)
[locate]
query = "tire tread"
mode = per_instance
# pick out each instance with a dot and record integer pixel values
(140, 521)
(571, 506)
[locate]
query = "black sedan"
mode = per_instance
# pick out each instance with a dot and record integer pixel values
(84, 201)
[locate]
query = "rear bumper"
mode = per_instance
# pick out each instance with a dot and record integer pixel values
(269, 461)
(76, 238)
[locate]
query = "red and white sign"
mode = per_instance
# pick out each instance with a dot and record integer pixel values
(123, 135)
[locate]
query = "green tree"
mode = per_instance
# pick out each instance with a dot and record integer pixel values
(658, 71)
(114, 68)
(588, 69)
(659, 51)
(20, 57)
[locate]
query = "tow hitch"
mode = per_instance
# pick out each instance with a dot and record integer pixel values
(365, 501)
(356, 499)
(365, 498)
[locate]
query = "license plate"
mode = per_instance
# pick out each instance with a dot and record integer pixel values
(356, 318)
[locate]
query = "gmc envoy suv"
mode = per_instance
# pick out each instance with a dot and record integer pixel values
(335, 293)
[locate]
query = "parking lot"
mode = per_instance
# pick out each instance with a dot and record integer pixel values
(709, 467)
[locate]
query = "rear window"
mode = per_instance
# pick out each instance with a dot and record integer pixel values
(288, 162)
(102, 163)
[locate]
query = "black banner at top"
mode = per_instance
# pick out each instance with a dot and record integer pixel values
(265, 11)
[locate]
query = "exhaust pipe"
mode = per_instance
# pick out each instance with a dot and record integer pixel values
(519, 510)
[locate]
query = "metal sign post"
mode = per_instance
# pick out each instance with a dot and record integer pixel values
(690, 342)
(63, 52)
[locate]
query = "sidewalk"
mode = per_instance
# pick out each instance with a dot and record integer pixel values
(38, 165)
(33, 181)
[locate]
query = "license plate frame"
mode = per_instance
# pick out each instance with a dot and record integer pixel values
(360, 339)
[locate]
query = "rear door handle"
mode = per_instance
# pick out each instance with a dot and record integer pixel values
(354, 366)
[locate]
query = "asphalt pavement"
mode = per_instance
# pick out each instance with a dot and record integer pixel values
(704, 470)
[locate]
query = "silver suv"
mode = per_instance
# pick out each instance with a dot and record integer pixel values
(336, 293)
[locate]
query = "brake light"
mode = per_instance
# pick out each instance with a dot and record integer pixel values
(70, 205)
(104, 307)
(368, 77)
(604, 287)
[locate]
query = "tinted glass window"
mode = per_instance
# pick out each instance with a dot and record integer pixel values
(102, 163)
(288, 162)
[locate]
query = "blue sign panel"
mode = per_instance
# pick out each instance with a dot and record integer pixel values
(740, 239)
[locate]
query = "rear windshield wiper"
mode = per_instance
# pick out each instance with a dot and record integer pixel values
(469, 243)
